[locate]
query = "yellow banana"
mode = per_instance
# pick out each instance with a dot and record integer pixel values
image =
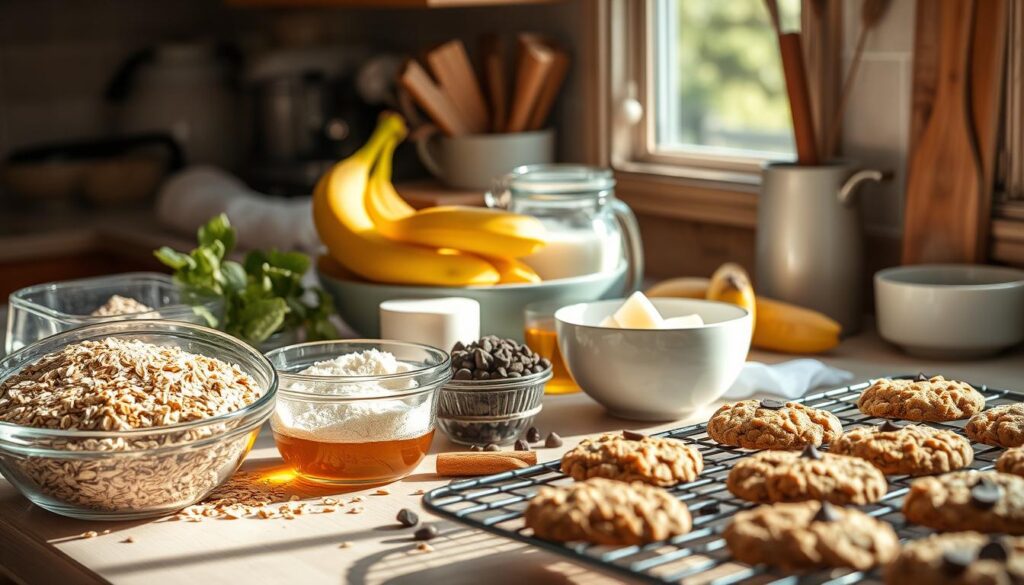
(731, 284)
(687, 287)
(339, 213)
(513, 271)
(488, 232)
(792, 329)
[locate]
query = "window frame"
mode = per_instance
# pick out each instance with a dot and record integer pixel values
(632, 61)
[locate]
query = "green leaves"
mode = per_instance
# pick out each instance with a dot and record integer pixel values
(262, 295)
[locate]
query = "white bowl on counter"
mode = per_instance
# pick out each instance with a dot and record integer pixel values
(501, 306)
(654, 374)
(950, 311)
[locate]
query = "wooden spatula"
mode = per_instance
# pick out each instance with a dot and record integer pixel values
(988, 65)
(549, 92)
(454, 73)
(429, 96)
(493, 72)
(532, 68)
(946, 219)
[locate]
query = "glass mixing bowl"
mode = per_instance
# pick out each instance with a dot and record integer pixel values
(356, 430)
(121, 475)
(42, 310)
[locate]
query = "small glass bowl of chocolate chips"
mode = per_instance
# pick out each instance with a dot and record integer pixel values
(495, 391)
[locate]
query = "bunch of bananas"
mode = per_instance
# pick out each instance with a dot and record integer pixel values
(778, 326)
(370, 230)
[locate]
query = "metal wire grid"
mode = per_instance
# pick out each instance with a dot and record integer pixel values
(496, 504)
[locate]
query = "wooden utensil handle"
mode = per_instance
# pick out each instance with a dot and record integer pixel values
(799, 98)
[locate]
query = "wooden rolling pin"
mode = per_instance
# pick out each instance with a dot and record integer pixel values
(483, 462)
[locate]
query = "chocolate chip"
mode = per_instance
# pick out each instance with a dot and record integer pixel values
(522, 445)
(545, 363)
(463, 374)
(994, 550)
(458, 347)
(633, 435)
(532, 434)
(492, 447)
(425, 533)
(553, 440)
(826, 513)
(891, 426)
(706, 508)
(772, 404)
(481, 375)
(921, 377)
(810, 452)
(407, 518)
(476, 448)
(956, 561)
(985, 494)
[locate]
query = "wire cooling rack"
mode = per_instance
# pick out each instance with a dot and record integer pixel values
(496, 504)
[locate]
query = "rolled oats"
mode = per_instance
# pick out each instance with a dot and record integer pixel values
(120, 385)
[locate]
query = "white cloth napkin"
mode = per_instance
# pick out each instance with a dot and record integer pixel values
(790, 379)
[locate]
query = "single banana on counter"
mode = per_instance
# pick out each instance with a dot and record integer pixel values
(488, 232)
(778, 326)
(730, 284)
(341, 219)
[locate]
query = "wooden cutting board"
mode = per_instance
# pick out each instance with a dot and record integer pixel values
(946, 219)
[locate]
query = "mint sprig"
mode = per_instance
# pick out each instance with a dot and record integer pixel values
(262, 295)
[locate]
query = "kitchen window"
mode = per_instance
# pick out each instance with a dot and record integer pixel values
(700, 88)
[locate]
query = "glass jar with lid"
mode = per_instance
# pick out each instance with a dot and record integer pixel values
(589, 230)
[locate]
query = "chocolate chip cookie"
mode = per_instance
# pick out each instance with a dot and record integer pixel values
(772, 424)
(959, 558)
(986, 501)
(788, 476)
(1002, 426)
(810, 535)
(901, 449)
(934, 399)
(629, 456)
(604, 511)
(1011, 461)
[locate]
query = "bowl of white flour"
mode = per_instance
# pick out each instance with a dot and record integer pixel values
(356, 411)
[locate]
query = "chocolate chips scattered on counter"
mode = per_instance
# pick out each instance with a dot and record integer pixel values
(494, 358)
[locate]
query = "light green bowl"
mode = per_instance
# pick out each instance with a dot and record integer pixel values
(501, 307)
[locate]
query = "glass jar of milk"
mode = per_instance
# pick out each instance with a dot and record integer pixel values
(589, 230)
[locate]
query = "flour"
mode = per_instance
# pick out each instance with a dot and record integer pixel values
(356, 421)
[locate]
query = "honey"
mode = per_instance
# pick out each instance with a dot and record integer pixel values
(544, 341)
(369, 462)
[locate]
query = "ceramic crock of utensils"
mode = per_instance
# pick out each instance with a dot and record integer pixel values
(809, 240)
(471, 161)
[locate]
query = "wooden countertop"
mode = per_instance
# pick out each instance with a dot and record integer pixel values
(37, 546)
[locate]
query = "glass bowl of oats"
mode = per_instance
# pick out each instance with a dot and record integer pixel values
(46, 309)
(130, 419)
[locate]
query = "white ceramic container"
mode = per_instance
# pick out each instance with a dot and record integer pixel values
(654, 374)
(950, 311)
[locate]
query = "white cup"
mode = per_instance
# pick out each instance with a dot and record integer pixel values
(472, 162)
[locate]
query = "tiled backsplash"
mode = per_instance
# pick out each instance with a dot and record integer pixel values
(876, 124)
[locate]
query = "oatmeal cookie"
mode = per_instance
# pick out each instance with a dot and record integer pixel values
(788, 476)
(986, 501)
(772, 424)
(959, 558)
(1002, 426)
(1011, 461)
(899, 449)
(633, 457)
(935, 399)
(604, 511)
(810, 535)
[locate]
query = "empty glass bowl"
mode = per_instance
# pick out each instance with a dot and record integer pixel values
(42, 310)
(122, 475)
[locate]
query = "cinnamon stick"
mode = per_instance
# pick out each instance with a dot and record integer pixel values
(483, 463)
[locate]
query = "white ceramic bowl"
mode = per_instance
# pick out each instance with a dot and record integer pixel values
(950, 311)
(654, 374)
(501, 307)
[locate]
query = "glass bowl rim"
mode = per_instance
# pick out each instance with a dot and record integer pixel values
(149, 326)
(16, 298)
(444, 365)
